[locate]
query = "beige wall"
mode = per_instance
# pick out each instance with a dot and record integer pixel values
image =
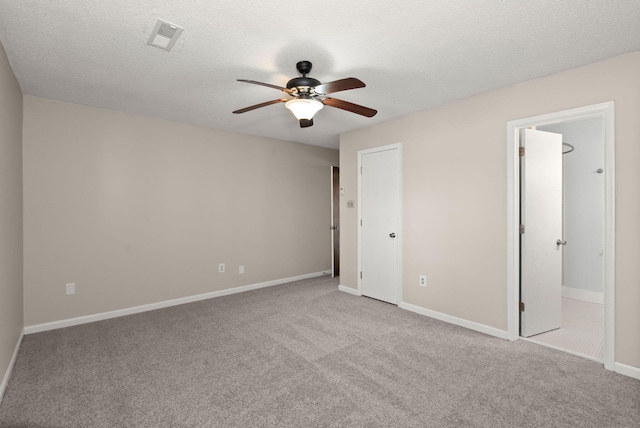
(11, 321)
(137, 210)
(454, 193)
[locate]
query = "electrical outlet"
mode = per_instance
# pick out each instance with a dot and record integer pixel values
(422, 280)
(221, 268)
(241, 269)
(70, 289)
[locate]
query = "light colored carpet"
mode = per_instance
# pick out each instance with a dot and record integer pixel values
(303, 355)
(582, 329)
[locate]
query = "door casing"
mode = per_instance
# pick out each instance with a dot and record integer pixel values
(335, 221)
(399, 233)
(605, 111)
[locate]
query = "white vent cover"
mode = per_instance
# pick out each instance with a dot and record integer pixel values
(164, 35)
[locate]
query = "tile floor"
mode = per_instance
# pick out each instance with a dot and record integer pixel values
(582, 329)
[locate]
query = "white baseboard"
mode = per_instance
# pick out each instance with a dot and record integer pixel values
(37, 328)
(7, 374)
(349, 290)
(626, 370)
(491, 331)
(584, 295)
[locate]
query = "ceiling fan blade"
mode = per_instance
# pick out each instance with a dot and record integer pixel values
(339, 85)
(268, 85)
(353, 108)
(268, 103)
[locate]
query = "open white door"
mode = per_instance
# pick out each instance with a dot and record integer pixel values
(380, 200)
(541, 240)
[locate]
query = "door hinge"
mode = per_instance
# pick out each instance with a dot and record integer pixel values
(360, 222)
(360, 170)
(521, 306)
(521, 151)
(360, 274)
(521, 229)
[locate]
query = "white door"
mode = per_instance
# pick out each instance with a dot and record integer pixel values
(380, 198)
(541, 243)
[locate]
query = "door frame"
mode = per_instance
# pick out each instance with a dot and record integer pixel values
(397, 146)
(606, 112)
(335, 218)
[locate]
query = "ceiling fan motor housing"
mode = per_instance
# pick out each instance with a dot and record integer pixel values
(302, 82)
(304, 67)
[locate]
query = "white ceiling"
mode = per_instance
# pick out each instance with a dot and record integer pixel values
(412, 54)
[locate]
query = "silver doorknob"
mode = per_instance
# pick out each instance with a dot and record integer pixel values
(392, 235)
(561, 242)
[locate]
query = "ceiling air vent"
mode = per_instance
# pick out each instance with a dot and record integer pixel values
(164, 35)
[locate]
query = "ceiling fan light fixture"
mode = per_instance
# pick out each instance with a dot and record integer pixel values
(304, 108)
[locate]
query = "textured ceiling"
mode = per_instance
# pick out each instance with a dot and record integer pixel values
(412, 54)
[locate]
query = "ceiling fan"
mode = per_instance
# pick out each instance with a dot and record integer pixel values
(308, 96)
